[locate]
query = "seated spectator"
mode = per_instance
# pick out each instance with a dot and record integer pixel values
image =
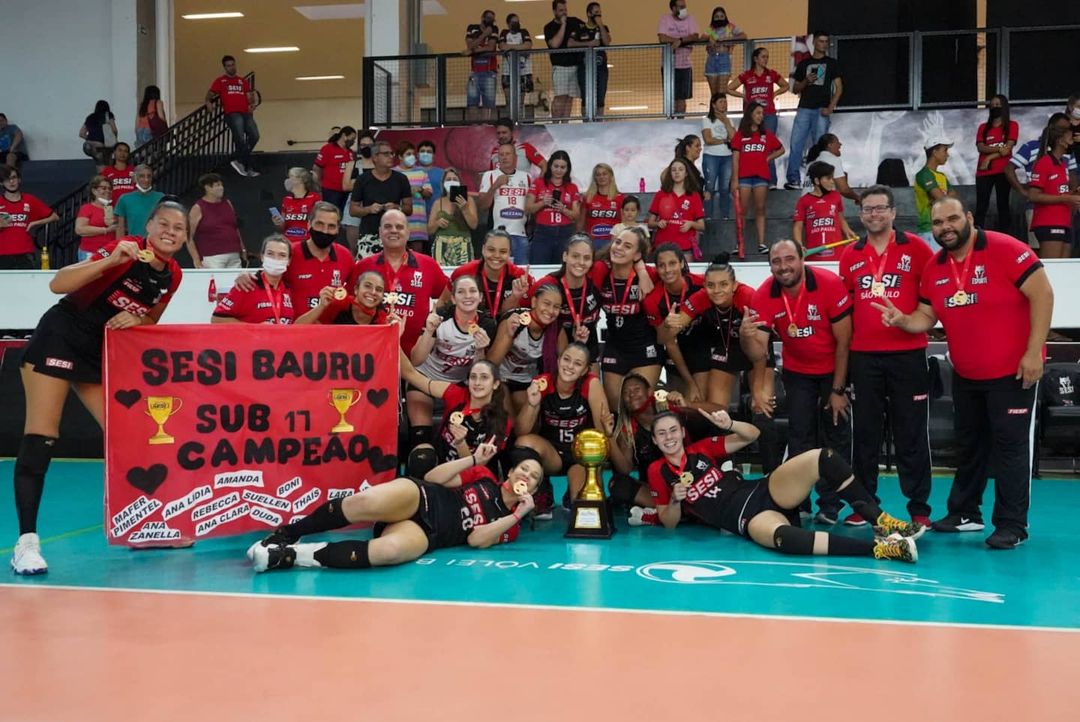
(721, 35)
(425, 153)
(1023, 159)
(752, 148)
(554, 202)
(481, 42)
(215, 240)
(99, 134)
(120, 174)
(301, 196)
(20, 214)
(630, 211)
(931, 184)
(151, 121)
(452, 221)
(819, 215)
(269, 301)
(514, 37)
(12, 143)
(717, 132)
(677, 212)
(602, 202)
(827, 150)
(995, 140)
(679, 30)
(421, 190)
(761, 84)
(133, 209)
(95, 224)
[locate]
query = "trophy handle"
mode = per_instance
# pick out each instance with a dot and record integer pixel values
(356, 400)
(179, 405)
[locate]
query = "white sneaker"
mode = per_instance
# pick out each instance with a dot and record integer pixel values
(252, 173)
(27, 557)
(238, 167)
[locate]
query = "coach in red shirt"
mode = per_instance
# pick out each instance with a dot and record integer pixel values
(238, 101)
(994, 299)
(888, 365)
(810, 310)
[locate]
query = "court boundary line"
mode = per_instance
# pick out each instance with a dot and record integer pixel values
(542, 607)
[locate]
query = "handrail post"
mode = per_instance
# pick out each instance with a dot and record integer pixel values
(513, 90)
(915, 70)
(440, 90)
(668, 74)
(588, 109)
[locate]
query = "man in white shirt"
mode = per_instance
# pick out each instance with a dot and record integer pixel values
(504, 191)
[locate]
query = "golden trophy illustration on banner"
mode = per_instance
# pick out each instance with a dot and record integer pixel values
(342, 400)
(160, 408)
(590, 517)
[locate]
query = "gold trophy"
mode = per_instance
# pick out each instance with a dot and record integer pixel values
(160, 408)
(590, 517)
(342, 400)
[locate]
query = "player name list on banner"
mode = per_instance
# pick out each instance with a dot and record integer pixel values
(226, 429)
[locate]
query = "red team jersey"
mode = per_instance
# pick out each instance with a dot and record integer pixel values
(307, 275)
(701, 458)
(262, 304)
(456, 398)
(132, 286)
(822, 301)
(754, 153)
(233, 92)
(900, 270)
(1052, 178)
(295, 211)
(821, 221)
(123, 181)
(332, 159)
(676, 210)
(601, 215)
(527, 153)
(988, 333)
(761, 88)
(549, 216)
(95, 214)
(492, 292)
(997, 139)
(481, 501)
(15, 239)
(414, 285)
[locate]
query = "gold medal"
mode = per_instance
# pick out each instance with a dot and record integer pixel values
(877, 288)
(457, 417)
(520, 488)
(473, 328)
(340, 294)
(686, 478)
(541, 383)
(661, 396)
(960, 298)
(793, 330)
(145, 255)
(391, 299)
(525, 318)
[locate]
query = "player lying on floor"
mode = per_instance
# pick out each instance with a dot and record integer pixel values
(459, 502)
(691, 479)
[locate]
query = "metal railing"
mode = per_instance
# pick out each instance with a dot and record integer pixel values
(914, 70)
(192, 146)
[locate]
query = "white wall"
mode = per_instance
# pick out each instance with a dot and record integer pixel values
(59, 58)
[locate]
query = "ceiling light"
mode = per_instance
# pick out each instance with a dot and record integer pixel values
(610, 65)
(320, 77)
(538, 37)
(281, 49)
(211, 16)
(343, 11)
(629, 107)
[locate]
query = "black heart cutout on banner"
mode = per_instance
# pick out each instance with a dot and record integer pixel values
(380, 461)
(128, 397)
(378, 397)
(148, 480)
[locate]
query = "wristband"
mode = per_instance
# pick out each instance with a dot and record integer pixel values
(473, 459)
(515, 515)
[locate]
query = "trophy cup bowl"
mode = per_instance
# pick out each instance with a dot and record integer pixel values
(342, 400)
(590, 517)
(159, 409)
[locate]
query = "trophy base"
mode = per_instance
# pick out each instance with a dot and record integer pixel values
(162, 439)
(590, 520)
(343, 429)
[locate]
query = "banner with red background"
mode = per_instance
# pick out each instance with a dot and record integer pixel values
(214, 430)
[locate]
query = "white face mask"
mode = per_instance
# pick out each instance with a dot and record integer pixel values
(142, 189)
(447, 185)
(288, 185)
(1076, 112)
(274, 266)
(683, 12)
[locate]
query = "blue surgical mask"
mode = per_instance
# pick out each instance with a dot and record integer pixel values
(426, 158)
(408, 160)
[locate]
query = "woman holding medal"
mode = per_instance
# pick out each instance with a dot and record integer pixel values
(696, 480)
(269, 301)
(519, 342)
(502, 284)
(580, 309)
(457, 503)
(364, 307)
(126, 283)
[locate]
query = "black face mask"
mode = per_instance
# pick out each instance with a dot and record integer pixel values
(365, 151)
(996, 112)
(487, 22)
(719, 23)
(321, 239)
(514, 27)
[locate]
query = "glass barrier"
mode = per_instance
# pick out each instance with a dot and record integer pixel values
(956, 67)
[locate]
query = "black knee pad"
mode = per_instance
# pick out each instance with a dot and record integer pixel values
(35, 453)
(832, 470)
(622, 488)
(421, 461)
(789, 539)
(420, 435)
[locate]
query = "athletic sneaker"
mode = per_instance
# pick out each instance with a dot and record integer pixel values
(954, 523)
(264, 558)
(828, 518)
(896, 547)
(238, 167)
(640, 516)
(887, 525)
(762, 248)
(854, 520)
(278, 537)
(1004, 539)
(252, 173)
(921, 519)
(789, 186)
(27, 558)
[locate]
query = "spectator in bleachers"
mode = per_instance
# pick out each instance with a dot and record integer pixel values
(601, 202)
(20, 213)
(995, 140)
(133, 209)
(237, 104)
(819, 215)
(751, 149)
(482, 40)
(677, 212)
(678, 29)
(761, 84)
(721, 35)
(594, 34)
(931, 184)
(365, 143)
(629, 212)
(421, 191)
(554, 203)
(504, 191)
(717, 132)
(1023, 159)
(1052, 195)
(689, 149)
(529, 159)
(515, 37)
(333, 166)
(451, 223)
(564, 76)
(374, 193)
(214, 241)
(95, 224)
(827, 150)
(301, 195)
(120, 174)
(99, 133)
(12, 144)
(425, 155)
(819, 83)
(151, 121)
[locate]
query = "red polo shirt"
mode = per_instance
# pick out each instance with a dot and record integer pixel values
(987, 335)
(233, 93)
(822, 301)
(262, 304)
(900, 269)
(15, 239)
(307, 275)
(417, 281)
(1052, 178)
(332, 159)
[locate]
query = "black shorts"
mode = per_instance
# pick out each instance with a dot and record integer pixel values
(621, 361)
(684, 83)
(747, 502)
(697, 357)
(437, 515)
(735, 361)
(1059, 234)
(65, 347)
(513, 385)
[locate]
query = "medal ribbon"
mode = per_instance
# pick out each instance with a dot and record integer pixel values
(576, 317)
(493, 306)
(960, 278)
(879, 268)
(274, 298)
(798, 303)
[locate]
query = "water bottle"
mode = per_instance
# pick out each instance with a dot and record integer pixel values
(641, 185)
(44, 258)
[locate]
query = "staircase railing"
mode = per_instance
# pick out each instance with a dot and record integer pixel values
(194, 145)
